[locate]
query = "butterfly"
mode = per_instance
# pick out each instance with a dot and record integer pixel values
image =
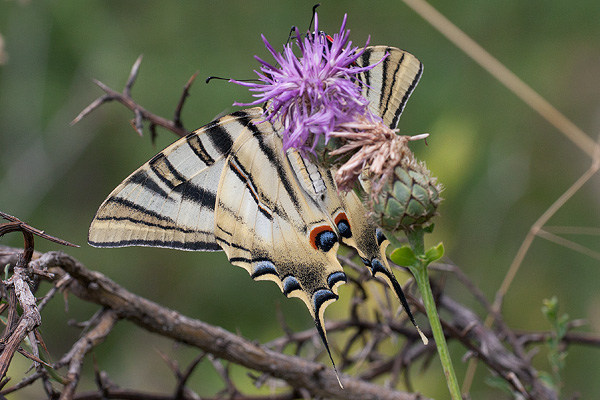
(229, 186)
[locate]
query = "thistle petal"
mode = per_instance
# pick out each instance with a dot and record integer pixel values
(314, 93)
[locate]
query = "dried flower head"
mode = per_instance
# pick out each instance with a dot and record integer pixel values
(315, 93)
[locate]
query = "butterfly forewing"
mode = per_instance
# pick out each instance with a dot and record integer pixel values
(170, 200)
(390, 83)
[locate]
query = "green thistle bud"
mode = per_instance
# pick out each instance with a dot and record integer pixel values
(409, 197)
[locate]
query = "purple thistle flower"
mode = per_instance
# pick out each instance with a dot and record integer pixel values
(311, 95)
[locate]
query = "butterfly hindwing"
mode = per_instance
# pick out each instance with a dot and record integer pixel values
(347, 213)
(266, 223)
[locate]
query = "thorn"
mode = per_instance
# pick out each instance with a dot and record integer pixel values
(139, 125)
(95, 104)
(132, 76)
(102, 86)
(18, 225)
(153, 134)
(184, 95)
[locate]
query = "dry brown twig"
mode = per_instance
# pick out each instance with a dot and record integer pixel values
(18, 293)
(298, 372)
(140, 113)
(120, 304)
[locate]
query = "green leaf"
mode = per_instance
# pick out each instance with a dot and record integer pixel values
(429, 228)
(499, 383)
(403, 256)
(435, 253)
(550, 309)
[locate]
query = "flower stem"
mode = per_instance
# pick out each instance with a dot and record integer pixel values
(419, 270)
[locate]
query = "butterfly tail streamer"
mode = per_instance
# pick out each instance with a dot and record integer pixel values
(323, 336)
(393, 282)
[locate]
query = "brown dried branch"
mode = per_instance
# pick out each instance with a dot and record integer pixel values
(118, 393)
(30, 317)
(104, 323)
(298, 372)
(16, 224)
(180, 390)
(140, 113)
(17, 289)
(184, 95)
(304, 375)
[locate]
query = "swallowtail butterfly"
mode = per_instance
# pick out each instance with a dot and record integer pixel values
(229, 186)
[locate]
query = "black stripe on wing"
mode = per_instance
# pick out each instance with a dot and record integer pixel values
(194, 142)
(142, 178)
(134, 207)
(199, 195)
(171, 244)
(220, 138)
(407, 94)
(174, 228)
(274, 156)
(165, 171)
(247, 180)
(386, 94)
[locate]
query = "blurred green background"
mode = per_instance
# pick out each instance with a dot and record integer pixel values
(502, 165)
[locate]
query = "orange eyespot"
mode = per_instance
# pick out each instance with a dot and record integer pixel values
(343, 225)
(323, 238)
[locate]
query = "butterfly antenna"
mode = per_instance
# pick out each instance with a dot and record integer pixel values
(324, 339)
(312, 18)
(293, 33)
(210, 78)
(294, 30)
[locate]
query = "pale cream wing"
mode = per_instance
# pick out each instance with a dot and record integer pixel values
(170, 200)
(348, 215)
(389, 84)
(268, 225)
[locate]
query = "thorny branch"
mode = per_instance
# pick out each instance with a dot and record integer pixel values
(140, 113)
(17, 292)
(118, 304)
(298, 372)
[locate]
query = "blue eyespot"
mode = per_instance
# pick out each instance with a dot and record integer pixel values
(380, 236)
(322, 237)
(321, 296)
(343, 225)
(264, 267)
(336, 277)
(290, 284)
(344, 229)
